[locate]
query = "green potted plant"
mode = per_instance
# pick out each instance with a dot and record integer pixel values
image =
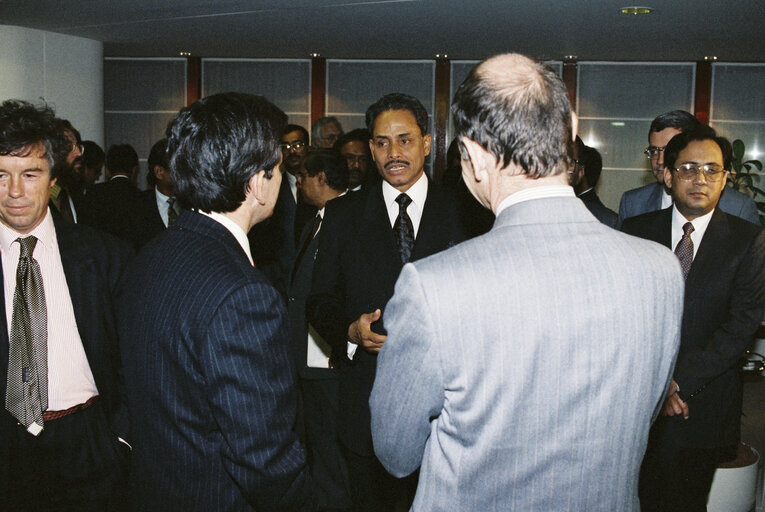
(743, 176)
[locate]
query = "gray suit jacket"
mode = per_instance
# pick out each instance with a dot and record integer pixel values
(524, 367)
(648, 199)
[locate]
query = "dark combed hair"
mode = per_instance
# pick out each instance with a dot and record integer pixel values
(520, 118)
(698, 133)
(217, 144)
(296, 128)
(93, 156)
(331, 164)
(121, 159)
(24, 127)
(678, 119)
(593, 164)
(157, 156)
(398, 101)
(357, 135)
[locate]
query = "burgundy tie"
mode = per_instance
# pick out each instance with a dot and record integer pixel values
(684, 249)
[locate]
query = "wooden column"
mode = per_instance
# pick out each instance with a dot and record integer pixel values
(703, 97)
(569, 78)
(193, 79)
(318, 89)
(442, 102)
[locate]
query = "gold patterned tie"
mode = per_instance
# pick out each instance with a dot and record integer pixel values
(26, 395)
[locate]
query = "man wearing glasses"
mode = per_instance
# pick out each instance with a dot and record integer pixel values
(724, 303)
(654, 196)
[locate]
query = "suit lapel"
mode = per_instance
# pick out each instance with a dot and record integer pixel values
(711, 251)
(4, 347)
(431, 226)
(377, 241)
(656, 195)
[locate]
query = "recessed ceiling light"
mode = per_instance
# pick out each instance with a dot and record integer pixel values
(634, 10)
(710, 57)
(185, 54)
(315, 55)
(617, 123)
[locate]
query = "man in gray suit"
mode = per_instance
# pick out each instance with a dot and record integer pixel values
(523, 368)
(655, 196)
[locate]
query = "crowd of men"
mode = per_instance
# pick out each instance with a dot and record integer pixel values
(286, 322)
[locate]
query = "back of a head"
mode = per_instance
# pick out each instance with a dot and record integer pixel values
(24, 127)
(398, 101)
(218, 143)
(517, 110)
(121, 159)
(333, 166)
(593, 164)
(677, 119)
(698, 133)
(157, 157)
(93, 156)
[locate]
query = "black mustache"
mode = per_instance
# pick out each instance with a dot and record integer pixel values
(394, 162)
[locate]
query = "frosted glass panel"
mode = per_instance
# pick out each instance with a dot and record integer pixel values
(285, 83)
(144, 84)
(139, 130)
(738, 92)
(620, 143)
(753, 135)
(633, 90)
(352, 86)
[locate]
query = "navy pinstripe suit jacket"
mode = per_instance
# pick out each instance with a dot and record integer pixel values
(211, 390)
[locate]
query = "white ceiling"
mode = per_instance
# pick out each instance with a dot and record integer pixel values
(678, 30)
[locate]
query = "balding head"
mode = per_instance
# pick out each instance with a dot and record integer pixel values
(517, 110)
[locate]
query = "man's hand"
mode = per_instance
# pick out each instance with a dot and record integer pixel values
(673, 405)
(360, 332)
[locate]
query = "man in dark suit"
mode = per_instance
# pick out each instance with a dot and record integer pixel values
(655, 196)
(63, 417)
(723, 258)
(115, 206)
(365, 239)
(273, 241)
(160, 206)
(323, 178)
(584, 177)
(210, 384)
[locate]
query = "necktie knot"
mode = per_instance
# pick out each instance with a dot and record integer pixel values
(27, 245)
(688, 228)
(403, 201)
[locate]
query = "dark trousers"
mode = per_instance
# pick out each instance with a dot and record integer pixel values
(76, 463)
(375, 490)
(325, 457)
(676, 479)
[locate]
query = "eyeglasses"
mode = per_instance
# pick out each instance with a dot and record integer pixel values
(652, 152)
(576, 166)
(689, 172)
(296, 145)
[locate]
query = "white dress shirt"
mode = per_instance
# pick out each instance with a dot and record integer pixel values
(70, 380)
(418, 192)
(234, 229)
(535, 193)
(162, 206)
(700, 225)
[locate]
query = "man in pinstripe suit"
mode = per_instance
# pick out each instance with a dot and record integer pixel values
(211, 388)
(523, 368)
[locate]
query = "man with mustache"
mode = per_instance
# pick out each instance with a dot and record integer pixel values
(365, 240)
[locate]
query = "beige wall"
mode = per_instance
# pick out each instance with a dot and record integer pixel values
(65, 71)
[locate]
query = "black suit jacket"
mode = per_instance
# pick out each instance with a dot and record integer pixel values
(210, 385)
(724, 305)
(601, 212)
(94, 266)
(355, 273)
(116, 207)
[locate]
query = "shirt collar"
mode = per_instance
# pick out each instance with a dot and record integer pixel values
(418, 192)
(45, 233)
(233, 227)
(699, 223)
(535, 193)
(161, 198)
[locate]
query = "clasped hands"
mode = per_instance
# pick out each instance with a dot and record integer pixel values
(360, 332)
(673, 404)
